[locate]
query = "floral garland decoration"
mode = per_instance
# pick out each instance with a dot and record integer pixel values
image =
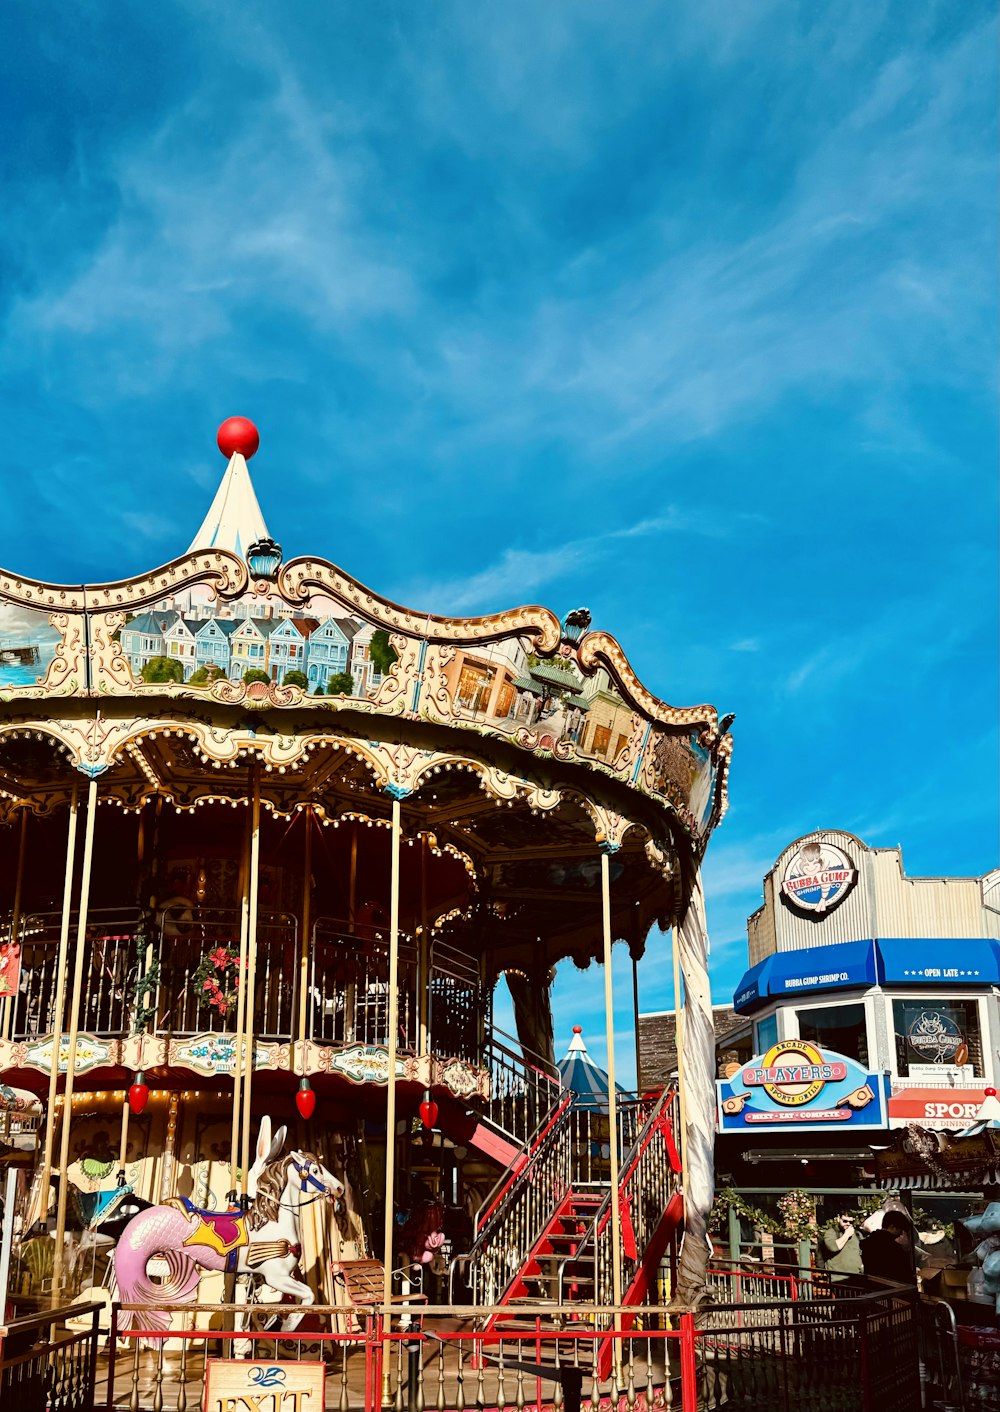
(217, 980)
(143, 980)
(726, 1199)
(798, 1212)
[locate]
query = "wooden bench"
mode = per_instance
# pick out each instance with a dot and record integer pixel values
(364, 1282)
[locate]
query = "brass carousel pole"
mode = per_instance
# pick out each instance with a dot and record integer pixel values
(609, 1020)
(424, 958)
(15, 919)
(304, 942)
(139, 857)
(241, 995)
(390, 1096)
(253, 894)
(62, 959)
(74, 1030)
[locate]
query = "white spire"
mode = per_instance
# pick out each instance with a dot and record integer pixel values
(576, 1044)
(234, 521)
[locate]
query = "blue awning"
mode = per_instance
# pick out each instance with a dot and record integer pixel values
(890, 961)
(843, 965)
(964, 960)
(752, 989)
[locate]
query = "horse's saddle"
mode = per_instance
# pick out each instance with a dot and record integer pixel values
(221, 1231)
(93, 1208)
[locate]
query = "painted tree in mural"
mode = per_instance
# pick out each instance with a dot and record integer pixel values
(294, 678)
(383, 654)
(340, 684)
(162, 669)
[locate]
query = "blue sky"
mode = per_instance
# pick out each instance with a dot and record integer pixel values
(684, 312)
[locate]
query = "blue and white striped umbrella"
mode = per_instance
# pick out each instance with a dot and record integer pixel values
(582, 1076)
(988, 1117)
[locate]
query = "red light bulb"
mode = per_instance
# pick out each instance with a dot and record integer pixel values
(138, 1095)
(429, 1113)
(305, 1099)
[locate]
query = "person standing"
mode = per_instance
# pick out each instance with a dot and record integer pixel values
(888, 1253)
(841, 1249)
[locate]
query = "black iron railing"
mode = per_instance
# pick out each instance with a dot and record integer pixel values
(45, 1365)
(347, 980)
(854, 1350)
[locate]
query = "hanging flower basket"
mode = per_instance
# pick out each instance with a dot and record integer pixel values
(217, 980)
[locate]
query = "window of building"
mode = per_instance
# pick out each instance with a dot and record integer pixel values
(601, 741)
(944, 1032)
(473, 688)
(766, 1032)
(842, 1028)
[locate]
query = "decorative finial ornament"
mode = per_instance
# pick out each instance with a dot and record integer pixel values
(238, 434)
(575, 624)
(578, 1029)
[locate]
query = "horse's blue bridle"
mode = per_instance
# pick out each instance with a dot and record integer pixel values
(307, 1179)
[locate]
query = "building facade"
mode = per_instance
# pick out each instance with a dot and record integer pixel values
(872, 1001)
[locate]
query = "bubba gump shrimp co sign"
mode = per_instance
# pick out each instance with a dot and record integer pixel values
(235, 1385)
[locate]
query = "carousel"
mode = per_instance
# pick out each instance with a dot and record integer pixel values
(269, 845)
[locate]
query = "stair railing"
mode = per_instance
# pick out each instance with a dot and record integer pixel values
(507, 1179)
(649, 1176)
(523, 1091)
(516, 1223)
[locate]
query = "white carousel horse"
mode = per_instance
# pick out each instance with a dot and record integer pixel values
(266, 1240)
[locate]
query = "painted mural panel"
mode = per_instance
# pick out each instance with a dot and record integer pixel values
(191, 638)
(544, 703)
(28, 643)
(682, 769)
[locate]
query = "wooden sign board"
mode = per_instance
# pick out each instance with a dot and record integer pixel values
(238, 1385)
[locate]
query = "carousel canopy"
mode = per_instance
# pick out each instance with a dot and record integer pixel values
(520, 745)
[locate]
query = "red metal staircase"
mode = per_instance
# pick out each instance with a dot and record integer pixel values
(545, 1237)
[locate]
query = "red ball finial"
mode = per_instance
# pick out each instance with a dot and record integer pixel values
(578, 1029)
(238, 434)
(990, 1092)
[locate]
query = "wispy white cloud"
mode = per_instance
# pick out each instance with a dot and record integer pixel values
(519, 572)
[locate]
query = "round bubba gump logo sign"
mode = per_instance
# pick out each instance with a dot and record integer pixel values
(818, 876)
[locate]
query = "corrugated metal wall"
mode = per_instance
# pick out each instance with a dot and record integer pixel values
(882, 903)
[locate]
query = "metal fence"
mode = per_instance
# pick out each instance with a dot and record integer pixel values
(850, 1351)
(45, 1366)
(370, 1366)
(855, 1352)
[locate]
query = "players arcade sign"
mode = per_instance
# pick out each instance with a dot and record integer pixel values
(797, 1085)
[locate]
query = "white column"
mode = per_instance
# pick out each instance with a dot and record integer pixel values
(74, 1030)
